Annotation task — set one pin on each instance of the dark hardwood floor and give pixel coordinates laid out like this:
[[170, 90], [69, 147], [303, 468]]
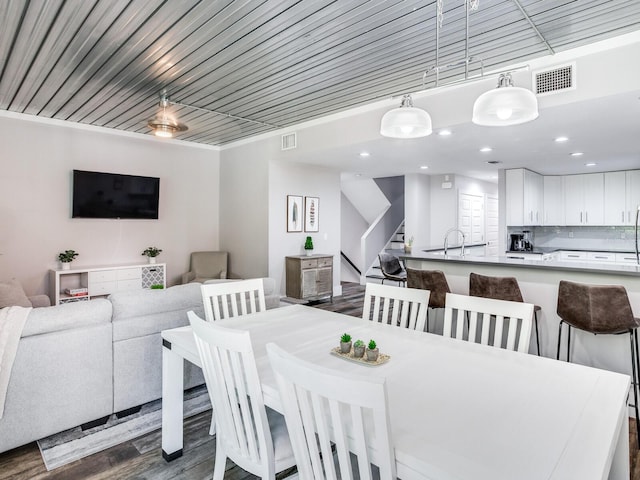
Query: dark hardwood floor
[[141, 459]]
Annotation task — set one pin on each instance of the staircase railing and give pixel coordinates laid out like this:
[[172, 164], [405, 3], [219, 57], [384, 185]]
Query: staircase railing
[[379, 233], [348, 260]]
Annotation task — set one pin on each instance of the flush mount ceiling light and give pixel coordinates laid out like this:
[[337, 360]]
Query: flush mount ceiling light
[[406, 121], [164, 125], [505, 105]]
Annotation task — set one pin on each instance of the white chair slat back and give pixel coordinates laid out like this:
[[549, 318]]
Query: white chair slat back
[[324, 407], [232, 299], [501, 323], [404, 307]]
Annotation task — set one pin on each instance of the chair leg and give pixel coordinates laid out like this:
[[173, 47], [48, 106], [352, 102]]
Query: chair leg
[[568, 342], [559, 340], [535, 320], [635, 370]]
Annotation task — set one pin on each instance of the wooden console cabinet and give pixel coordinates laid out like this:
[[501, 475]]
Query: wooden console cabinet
[[309, 277], [100, 281]]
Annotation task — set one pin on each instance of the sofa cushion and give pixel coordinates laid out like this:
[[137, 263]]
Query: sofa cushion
[[67, 316], [12, 295]]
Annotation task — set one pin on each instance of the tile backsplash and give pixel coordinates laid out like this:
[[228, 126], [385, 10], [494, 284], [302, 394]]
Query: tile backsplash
[[583, 238]]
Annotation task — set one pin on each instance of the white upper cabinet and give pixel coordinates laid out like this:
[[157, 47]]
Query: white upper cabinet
[[615, 198], [553, 200], [621, 197], [524, 194], [633, 195], [584, 199]]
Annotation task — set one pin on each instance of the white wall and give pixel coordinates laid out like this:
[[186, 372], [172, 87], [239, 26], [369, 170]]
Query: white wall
[[35, 200], [417, 208], [286, 178], [352, 227], [244, 208]]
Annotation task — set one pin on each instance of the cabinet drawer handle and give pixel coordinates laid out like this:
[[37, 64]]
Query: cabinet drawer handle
[[580, 217], [600, 257], [574, 256], [623, 216]]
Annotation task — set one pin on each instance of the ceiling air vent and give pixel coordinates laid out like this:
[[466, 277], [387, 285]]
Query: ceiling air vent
[[289, 141], [555, 80]]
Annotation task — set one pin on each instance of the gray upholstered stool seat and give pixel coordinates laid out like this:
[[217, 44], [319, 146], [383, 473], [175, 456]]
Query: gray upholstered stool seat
[[501, 288], [601, 310], [391, 268]]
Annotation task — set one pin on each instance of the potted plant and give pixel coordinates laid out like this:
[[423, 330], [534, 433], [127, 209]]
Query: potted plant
[[66, 258], [345, 343], [308, 246], [372, 351], [151, 253], [407, 245], [358, 349]]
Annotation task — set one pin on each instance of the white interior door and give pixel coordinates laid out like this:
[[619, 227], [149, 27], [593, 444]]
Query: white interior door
[[471, 217], [491, 225]]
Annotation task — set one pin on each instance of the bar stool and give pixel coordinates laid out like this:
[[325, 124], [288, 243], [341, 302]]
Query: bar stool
[[601, 310], [432, 280], [501, 288], [392, 268]]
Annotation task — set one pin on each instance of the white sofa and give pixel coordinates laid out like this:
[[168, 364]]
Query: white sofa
[[82, 361]]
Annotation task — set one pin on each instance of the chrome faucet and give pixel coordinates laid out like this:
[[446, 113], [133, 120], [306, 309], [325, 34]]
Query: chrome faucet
[[446, 240]]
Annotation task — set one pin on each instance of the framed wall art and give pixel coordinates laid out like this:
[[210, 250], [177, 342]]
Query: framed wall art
[[294, 213], [311, 214]]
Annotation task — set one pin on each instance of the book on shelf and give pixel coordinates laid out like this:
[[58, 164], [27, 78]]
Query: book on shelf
[[77, 292]]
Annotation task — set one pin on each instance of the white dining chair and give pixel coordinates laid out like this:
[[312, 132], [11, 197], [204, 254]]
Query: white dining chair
[[404, 307], [231, 299], [327, 408], [253, 437], [499, 323]]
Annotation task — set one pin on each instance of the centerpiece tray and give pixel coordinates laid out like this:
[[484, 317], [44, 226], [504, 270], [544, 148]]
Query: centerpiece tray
[[382, 357]]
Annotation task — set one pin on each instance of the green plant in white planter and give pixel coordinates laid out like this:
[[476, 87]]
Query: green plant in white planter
[[66, 258], [345, 343], [372, 351], [358, 349], [408, 245], [151, 253]]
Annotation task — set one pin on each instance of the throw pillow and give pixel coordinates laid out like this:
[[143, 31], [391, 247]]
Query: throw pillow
[[12, 294]]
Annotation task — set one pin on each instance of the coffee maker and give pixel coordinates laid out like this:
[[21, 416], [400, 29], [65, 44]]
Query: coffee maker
[[520, 242]]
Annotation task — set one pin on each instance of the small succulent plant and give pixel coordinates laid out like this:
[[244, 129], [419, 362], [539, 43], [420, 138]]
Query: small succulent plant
[[151, 251], [358, 343], [372, 345], [345, 338]]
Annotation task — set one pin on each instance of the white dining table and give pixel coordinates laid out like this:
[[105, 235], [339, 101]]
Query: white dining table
[[457, 410]]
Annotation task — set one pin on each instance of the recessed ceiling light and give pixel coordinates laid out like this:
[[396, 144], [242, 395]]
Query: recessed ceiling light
[[590, 164], [486, 149], [561, 139], [424, 167], [358, 174], [364, 154], [493, 162], [444, 133], [577, 154]]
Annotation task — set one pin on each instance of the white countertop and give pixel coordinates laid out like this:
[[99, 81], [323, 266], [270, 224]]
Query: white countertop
[[619, 269]]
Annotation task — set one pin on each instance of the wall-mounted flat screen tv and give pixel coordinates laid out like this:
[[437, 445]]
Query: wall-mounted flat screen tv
[[111, 195]]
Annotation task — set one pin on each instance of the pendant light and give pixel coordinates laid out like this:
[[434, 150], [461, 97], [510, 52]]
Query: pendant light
[[505, 105], [163, 125], [406, 121]]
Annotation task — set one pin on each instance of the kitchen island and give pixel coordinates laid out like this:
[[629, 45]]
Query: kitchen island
[[539, 281]]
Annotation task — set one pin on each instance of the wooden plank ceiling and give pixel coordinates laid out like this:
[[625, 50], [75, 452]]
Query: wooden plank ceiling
[[105, 62]]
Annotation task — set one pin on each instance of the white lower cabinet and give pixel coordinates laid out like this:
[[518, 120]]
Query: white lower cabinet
[[82, 284]]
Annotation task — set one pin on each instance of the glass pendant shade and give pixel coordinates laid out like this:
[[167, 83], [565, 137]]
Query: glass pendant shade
[[505, 105], [406, 121]]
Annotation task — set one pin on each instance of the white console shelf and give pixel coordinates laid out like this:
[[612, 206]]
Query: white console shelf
[[104, 280]]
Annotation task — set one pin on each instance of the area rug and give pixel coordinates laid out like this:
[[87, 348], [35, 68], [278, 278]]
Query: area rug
[[74, 444]]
